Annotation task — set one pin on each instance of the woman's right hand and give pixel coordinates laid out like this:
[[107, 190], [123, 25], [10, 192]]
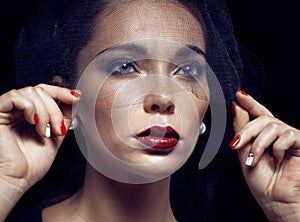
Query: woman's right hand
[[27, 151]]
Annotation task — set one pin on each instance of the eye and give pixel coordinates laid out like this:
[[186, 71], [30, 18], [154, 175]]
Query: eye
[[190, 70], [121, 67]]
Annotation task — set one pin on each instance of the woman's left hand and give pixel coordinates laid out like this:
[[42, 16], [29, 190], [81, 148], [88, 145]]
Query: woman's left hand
[[269, 152]]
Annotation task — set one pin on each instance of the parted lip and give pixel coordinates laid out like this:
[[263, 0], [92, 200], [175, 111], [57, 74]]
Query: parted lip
[[162, 132], [156, 138]]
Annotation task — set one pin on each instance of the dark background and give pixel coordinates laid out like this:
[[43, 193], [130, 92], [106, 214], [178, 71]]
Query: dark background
[[267, 28]]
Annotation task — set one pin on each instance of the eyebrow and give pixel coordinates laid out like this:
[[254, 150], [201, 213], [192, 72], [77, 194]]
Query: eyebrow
[[183, 52], [131, 47], [196, 49]]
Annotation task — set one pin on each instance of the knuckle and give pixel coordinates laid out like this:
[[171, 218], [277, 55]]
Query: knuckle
[[274, 125], [289, 133], [265, 118], [40, 87], [13, 93], [28, 105], [277, 148], [276, 119], [28, 89]]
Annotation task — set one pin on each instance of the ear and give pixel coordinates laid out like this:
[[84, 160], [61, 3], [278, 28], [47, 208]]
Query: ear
[[57, 81]]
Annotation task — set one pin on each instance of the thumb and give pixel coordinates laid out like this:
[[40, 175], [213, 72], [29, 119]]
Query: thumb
[[67, 116], [67, 112], [241, 117], [240, 120]]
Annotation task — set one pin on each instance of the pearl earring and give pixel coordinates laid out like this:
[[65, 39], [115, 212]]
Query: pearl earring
[[74, 124], [202, 128]]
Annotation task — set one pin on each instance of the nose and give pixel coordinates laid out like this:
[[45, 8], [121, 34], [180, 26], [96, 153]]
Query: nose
[[158, 104]]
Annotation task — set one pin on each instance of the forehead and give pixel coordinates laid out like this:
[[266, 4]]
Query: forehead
[[148, 19]]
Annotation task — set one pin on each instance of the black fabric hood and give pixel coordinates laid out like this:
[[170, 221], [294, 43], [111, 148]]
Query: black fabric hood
[[50, 43]]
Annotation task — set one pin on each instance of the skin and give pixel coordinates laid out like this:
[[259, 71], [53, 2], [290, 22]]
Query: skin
[[274, 179], [149, 201], [26, 158]]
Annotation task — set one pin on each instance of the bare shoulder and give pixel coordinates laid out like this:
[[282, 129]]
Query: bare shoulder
[[60, 212]]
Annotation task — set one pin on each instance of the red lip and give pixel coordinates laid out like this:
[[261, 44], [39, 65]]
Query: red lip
[[159, 138]]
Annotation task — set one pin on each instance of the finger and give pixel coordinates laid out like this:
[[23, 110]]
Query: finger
[[66, 96], [288, 141], [61, 94], [67, 111], [243, 154], [263, 141], [252, 129], [254, 108], [41, 115], [16, 101], [241, 117], [240, 120], [56, 122]]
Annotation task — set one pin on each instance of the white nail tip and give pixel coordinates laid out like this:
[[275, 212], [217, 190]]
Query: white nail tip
[[48, 130], [249, 160]]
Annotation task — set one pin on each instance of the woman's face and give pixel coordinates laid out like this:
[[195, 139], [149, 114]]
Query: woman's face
[[143, 77]]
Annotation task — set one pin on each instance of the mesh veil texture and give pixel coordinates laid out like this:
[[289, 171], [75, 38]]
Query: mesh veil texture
[[49, 45]]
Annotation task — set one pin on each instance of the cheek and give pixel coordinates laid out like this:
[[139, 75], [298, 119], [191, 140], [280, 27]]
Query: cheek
[[198, 92], [198, 88], [109, 96], [104, 116], [201, 104], [103, 108], [111, 109]]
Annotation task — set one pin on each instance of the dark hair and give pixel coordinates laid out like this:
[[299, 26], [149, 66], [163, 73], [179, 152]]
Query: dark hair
[[49, 46]]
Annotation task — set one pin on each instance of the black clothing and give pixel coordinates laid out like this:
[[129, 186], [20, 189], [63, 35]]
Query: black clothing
[[216, 193]]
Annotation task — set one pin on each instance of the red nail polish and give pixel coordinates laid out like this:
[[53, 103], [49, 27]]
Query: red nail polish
[[235, 142], [75, 94], [243, 92], [233, 109], [36, 118], [63, 129]]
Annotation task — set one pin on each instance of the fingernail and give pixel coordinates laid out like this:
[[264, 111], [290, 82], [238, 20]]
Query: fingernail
[[249, 159], [63, 129], [235, 142], [233, 109], [48, 130], [76, 94], [243, 92], [36, 118]]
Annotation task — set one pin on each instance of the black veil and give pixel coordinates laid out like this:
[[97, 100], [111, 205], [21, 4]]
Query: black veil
[[49, 45]]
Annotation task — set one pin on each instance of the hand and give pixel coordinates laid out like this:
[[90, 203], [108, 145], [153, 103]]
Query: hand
[[269, 152], [27, 149]]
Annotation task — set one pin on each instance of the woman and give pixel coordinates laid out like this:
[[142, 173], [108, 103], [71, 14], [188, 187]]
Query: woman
[[143, 88]]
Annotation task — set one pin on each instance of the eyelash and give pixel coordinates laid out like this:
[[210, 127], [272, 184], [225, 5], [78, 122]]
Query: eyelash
[[198, 68], [114, 68]]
